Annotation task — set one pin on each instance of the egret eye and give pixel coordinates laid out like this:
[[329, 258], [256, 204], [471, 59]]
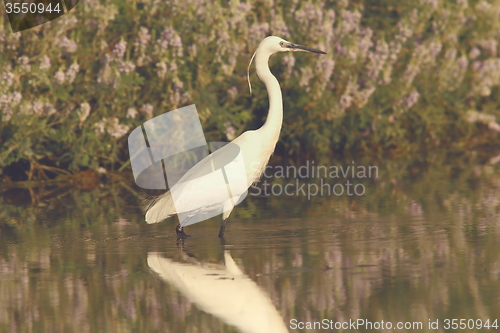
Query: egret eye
[[282, 43]]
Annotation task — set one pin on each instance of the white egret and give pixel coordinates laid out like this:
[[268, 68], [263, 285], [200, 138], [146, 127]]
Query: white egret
[[256, 148]]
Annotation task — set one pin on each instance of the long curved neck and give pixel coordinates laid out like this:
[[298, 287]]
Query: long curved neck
[[272, 126]]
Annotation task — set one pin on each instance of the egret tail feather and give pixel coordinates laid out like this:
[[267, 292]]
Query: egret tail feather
[[159, 208]]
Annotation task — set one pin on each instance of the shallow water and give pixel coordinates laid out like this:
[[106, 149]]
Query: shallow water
[[417, 247]]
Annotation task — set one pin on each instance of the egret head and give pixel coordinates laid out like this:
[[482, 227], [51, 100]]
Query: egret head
[[273, 44]]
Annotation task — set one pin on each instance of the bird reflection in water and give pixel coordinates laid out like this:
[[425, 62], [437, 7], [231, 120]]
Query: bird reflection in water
[[223, 291]]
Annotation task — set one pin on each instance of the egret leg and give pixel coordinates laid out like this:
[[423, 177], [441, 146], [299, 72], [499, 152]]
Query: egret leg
[[180, 231], [222, 228], [180, 243]]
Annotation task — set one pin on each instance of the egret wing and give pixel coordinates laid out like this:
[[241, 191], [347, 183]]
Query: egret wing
[[204, 186]]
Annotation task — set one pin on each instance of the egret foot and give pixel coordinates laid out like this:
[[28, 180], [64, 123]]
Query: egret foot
[[222, 228], [180, 231]]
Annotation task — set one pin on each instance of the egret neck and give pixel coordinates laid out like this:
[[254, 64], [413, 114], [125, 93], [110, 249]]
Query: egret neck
[[272, 127]]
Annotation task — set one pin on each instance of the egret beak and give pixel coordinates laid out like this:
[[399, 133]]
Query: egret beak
[[296, 47]]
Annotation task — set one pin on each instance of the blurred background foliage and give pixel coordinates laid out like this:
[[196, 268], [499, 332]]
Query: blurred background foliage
[[400, 78]]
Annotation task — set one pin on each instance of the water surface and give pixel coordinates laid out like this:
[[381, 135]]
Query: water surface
[[418, 246]]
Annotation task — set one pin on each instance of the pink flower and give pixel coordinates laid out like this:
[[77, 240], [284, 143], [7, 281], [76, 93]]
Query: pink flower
[[24, 63], [67, 44], [7, 78], [126, 66], [115, 129], [71, 72], [119, 50], [60, 77], [169, 38], [143, 38], [44, 63], [131, 113]]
